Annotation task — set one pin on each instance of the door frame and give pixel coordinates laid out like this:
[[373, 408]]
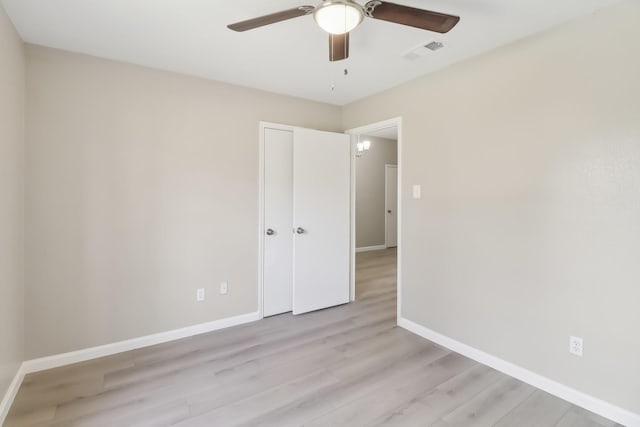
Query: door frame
[[261, 207], [387, 167], [354, 132]]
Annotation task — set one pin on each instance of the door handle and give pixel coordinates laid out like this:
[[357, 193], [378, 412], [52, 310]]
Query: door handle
[[389, 211], [300, 230], [270, 232]]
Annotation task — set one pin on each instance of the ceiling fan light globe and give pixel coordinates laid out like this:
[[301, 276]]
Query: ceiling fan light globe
[[338, 16]]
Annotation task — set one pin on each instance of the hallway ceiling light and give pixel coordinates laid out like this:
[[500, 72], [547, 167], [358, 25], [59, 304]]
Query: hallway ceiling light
[[362, 147]]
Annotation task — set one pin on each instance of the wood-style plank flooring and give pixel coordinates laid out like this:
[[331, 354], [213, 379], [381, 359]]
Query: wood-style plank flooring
[[344, 366]]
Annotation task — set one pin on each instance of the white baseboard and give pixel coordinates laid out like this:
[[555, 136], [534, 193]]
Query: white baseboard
[[63, 359], [562, 391], [371, 248], [7, 400]]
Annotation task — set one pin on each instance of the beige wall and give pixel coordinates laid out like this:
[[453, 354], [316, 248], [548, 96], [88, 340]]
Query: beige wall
[[142, 187], [11, 201], [370, 191], [528, 230]]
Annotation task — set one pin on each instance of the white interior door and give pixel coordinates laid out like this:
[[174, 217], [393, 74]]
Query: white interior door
[[278, 222], [391, 205], [321, 177]]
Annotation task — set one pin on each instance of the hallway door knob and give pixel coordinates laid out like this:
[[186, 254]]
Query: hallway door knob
[[270, 232], [300, 230]]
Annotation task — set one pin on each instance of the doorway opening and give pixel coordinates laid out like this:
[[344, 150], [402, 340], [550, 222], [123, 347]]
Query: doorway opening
[[375, 210]]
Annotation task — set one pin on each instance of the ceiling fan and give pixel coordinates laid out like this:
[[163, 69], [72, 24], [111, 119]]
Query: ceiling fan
[[339, 17]]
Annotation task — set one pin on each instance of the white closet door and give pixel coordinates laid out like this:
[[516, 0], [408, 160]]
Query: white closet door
[[278, 222], [321, 185]]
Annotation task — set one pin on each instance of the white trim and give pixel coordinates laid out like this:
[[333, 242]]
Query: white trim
[[10, 395], [371, 248], [261, 231], [394, 122], [352, 224], [562, 391], [63, 359], [387, 167], [399, 236]]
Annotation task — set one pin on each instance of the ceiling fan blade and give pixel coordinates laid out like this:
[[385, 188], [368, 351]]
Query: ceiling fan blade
[[260, 21], [338, 46], [406, 15]]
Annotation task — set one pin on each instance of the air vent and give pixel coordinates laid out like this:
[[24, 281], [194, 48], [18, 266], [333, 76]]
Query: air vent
[[433, 46], [423, 50]]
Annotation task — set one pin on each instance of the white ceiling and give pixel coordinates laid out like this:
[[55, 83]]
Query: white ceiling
[[291, 57]]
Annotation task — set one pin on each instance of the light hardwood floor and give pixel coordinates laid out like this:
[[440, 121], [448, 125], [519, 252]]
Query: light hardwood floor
[[344, 366]]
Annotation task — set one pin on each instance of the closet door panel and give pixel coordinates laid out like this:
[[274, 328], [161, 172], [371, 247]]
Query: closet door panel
[[278, 222], [321, 214]]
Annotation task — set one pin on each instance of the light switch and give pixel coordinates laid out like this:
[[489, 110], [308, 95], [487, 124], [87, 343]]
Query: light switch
[[417, 191]]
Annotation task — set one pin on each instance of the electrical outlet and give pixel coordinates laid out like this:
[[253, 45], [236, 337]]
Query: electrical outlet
[[224, 288], [575, 346], [200, 294]]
